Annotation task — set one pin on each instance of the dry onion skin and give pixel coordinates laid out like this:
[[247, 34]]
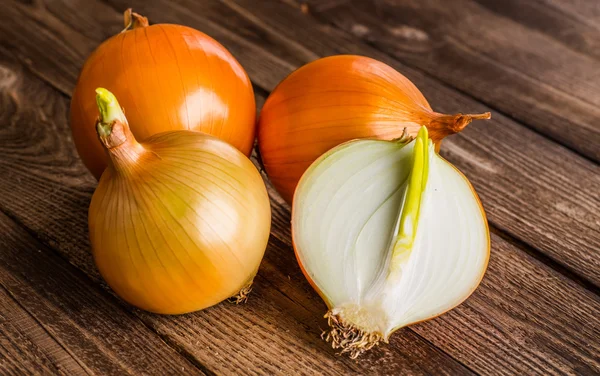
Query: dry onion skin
[[186, 79], [178, 222], [337, 99], [389, 234]]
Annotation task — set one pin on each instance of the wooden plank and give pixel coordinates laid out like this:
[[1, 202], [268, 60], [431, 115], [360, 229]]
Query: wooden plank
[[26, 347], [71, 30], [522, 72], [584, 11], [61, 23], [65, 324], [287, 303], [573, 24], [48, 189], [531, 187]]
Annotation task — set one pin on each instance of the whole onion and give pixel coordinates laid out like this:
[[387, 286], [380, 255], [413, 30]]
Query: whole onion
[[181, 76], [336, 99], [178, 222]]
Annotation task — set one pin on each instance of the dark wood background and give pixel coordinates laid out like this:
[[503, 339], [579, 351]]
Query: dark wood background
[[535, 64]]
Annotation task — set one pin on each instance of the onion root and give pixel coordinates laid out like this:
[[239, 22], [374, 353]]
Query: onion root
[[348, 337], [242, 296]]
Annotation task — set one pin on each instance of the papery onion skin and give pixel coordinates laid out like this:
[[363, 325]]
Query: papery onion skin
[[178, 222], [186, 79], [336, 99]]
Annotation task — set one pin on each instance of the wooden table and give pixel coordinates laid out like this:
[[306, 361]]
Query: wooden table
[[535, 64]]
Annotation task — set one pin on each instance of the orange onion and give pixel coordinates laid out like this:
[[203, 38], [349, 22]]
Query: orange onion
[[186, 79], [178, 222], [337, 99]]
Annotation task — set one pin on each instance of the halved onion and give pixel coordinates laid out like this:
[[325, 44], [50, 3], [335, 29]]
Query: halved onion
[[390, 234]]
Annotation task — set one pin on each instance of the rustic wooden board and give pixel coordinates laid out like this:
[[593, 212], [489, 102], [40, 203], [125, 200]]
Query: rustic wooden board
[[574, 24], [525, 73], [26, 347], [525, 318], [487, 332]]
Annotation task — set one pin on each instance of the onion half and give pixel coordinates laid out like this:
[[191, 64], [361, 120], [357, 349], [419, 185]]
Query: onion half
[[390, 234]]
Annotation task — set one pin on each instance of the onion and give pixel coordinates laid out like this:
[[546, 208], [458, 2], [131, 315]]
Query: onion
[[337, 99], [181, 76], [178, 222], [389, 234]]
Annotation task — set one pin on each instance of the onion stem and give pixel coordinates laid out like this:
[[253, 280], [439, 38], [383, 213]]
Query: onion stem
[[110, 111], [133, 20], [114, 133], [409, 218], [445, 125]]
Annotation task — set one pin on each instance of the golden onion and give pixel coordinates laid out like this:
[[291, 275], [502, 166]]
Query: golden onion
[[178, 222]]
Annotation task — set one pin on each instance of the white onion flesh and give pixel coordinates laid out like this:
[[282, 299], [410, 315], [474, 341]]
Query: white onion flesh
[[345, 220]]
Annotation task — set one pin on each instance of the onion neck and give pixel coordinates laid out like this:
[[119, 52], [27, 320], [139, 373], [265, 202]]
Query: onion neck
[[113, 131], [445, 125]]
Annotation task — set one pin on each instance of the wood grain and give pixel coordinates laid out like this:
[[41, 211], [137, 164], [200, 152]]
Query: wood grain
[[48, 190], [26, 347], [573, 24], [584, 11], [508, 65], [501, 329], [67, 324]]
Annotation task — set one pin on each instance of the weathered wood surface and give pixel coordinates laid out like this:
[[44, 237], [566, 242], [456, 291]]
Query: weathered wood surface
[[527, 317], [25, 346]]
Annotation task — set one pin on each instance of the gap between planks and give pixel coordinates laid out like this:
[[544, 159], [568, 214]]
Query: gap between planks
[[31, 317], [545, 259]]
